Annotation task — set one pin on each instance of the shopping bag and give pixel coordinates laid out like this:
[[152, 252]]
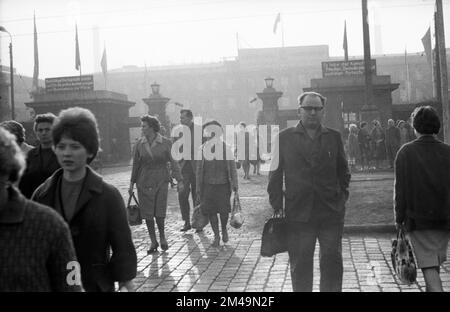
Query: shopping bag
[[237, 219], [199, 219], [133, 212], [403, 258], [274, 237]]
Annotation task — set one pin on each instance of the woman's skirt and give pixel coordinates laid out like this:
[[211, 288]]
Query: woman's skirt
[[430, 247], [153, 200], [216, 198]]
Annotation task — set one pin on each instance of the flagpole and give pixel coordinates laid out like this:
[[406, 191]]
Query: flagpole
[[106, 74], [408, 89], [282, 32], [237, 42], [433, 81]]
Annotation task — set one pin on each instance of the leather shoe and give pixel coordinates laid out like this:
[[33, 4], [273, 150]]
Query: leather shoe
[[216, 242], [153, 248], [225, 236], [164, 245], [186, 227]]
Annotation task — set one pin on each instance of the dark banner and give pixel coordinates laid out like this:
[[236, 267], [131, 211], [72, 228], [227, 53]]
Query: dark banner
[[73, 83], [343, 68]]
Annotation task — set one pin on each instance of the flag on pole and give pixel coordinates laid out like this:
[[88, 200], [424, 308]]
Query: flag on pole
[[426, 41], [345, 45], [275, 25], [36, 58], [77, 50], [104, 63]]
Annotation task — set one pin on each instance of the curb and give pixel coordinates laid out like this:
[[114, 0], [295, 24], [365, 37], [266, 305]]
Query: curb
[[369, 228]]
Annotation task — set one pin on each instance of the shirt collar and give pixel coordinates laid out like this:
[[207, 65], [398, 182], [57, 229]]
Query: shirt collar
[[158, 138], [301, 128]]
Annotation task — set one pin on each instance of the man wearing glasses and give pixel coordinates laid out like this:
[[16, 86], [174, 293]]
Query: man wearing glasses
[[312, 162]]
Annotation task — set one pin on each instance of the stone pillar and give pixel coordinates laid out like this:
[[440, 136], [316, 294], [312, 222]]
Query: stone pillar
[[157, 107], [269, 115], [270, 97]]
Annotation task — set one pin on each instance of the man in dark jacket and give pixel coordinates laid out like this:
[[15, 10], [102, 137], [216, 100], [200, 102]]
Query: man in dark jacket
[[392, 141], [312, 161], [41, 160], [187, 167]]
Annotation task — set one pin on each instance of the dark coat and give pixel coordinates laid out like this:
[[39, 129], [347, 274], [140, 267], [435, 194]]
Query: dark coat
[[422, 184], [100, 223], [36, 172], [311, 184], [393, 137], [35, 247]]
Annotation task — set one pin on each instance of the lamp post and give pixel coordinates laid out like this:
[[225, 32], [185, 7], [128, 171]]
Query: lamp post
[[3, 29]]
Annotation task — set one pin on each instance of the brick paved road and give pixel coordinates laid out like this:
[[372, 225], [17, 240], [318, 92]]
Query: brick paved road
[[191, 264]]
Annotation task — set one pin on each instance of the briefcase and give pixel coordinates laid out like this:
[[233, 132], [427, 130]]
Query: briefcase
[[133, 212], [274, 237]]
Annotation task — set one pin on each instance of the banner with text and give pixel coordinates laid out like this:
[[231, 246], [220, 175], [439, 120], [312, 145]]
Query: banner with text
[[73, 83], [346, 68]]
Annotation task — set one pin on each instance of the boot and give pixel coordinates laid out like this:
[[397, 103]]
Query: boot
[[151, 231], [215, 227], [162, 235], [223, 223]]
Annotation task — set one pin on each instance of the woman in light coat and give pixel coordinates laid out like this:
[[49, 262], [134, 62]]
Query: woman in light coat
[[150, 173]]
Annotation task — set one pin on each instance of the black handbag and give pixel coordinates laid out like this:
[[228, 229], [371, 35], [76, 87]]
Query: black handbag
[[133, 212], [275, 236], [402, 258]]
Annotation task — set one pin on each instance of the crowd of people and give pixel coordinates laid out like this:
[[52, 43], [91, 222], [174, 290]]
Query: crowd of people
[[369, 148], [63, 228]]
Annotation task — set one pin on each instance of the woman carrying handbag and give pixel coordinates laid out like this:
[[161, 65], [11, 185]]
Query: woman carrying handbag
[[422, 195], [216, 180]]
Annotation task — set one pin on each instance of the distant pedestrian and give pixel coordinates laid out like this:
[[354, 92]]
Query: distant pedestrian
[[393, 138], [364, 145], [255, 159], [41, 160], [36, 250], [312, 163], [411, 136], [354, 153], [94, 209], [216, 180], [422, 195], [377, 137], [187, 168], [403, 132], [150, 173], [18, 131], [243, 152]]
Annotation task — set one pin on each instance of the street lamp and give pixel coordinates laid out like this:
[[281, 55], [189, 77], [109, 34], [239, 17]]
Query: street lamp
[[155, 88], [3, 29], [269, 82]]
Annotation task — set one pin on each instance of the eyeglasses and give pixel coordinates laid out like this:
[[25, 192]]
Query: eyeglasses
[[311, 108]]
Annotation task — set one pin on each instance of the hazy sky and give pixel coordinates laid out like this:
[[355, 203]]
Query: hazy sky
[[164, 32]]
